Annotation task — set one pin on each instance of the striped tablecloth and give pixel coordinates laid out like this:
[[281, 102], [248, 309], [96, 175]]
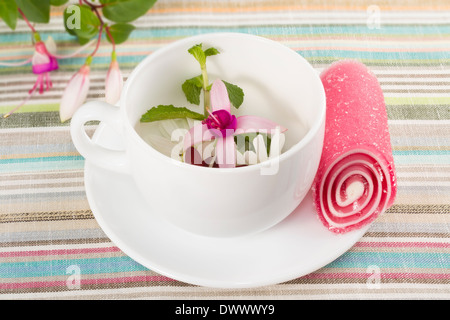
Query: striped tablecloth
[[46, 224]]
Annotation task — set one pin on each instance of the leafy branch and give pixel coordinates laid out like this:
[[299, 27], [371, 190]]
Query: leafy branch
[[88, 21], [192, 89]]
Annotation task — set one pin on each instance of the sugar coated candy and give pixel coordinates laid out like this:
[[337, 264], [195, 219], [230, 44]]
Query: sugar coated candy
[[356, 178]]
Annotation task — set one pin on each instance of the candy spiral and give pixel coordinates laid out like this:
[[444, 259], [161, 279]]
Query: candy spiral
[[356, 179]]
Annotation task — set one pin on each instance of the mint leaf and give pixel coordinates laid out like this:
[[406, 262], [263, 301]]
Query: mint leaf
[[164, 112], [120, 32], [123, 11], [235, 93], [35, 10], [192, 89], [211, 52], [198, 54], [9, 13]]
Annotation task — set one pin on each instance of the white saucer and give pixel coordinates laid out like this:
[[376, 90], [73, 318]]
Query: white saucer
[[298, 245]]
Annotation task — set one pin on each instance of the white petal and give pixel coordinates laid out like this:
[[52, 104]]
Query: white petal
[[39, 58], [260, 147], [50, 45], [74, 95], [250, 157], [163, 145], [240, 158], [276, 144], [113, 85]]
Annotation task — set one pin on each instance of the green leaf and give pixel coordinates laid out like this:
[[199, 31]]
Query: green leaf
[[83, 41], [35, 10], [9, 13], [211, 52], [82, 22], [124, 11], [235, 93], [198, 54], [192, 89], [58, 2], [120, 32], [164, 112]]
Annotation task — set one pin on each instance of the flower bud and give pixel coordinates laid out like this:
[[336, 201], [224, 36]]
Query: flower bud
[[114, 82], [75, 93]]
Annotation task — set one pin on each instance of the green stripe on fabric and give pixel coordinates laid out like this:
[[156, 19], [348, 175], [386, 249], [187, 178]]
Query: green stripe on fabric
[[32, 120], [417, 101], [32, 108], [418, 112]]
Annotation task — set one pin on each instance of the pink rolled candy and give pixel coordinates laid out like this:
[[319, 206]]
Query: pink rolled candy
[[356, 178]]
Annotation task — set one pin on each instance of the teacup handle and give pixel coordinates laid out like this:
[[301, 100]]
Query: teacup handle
[[114, 160]]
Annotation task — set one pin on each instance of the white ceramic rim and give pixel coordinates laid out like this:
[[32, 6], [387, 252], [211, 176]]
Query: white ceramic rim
[[312, 132]]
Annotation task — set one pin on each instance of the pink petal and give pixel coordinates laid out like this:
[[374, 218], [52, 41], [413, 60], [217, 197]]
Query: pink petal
[[75, 93], [113, 83], [219, 96], [197, 134], [249, 124], [226, 152], [42, 61]]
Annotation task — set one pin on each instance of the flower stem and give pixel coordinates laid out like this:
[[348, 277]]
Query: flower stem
[[26, 20], [100, 28], [110, 37], [92, 5], [207, 100]]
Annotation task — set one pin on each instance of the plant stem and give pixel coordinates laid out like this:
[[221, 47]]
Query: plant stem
[[98, 41], [93, 5], [108, 33], [26, 20], [207, 99], [94, 9]]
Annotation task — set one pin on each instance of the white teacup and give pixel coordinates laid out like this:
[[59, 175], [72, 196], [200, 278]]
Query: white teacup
[[278, 84]]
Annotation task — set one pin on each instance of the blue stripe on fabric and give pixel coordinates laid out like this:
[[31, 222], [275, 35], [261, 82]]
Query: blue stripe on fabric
[[59, 267], [126, 264], [308, 30], [392, 260], [41, 159]]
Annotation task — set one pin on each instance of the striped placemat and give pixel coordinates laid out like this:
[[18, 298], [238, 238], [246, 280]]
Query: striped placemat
[[47, 229]]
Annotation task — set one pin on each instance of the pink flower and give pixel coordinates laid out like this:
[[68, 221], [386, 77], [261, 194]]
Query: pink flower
[[114, 81], [223, 126], [43, 61], [42, 64], [75, 92]]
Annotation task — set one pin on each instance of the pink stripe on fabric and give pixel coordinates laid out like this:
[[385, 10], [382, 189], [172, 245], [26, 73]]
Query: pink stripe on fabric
[[359, 275], [57, 252], [47, 284], [403, 244]]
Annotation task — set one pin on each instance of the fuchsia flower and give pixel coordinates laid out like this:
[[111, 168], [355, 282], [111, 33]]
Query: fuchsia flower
[[222, 126], [75, 92], [43, 61]]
